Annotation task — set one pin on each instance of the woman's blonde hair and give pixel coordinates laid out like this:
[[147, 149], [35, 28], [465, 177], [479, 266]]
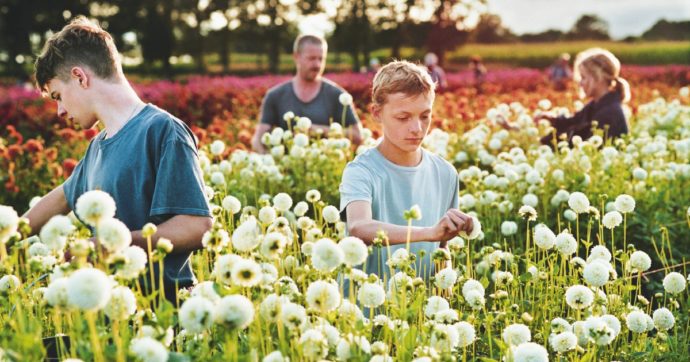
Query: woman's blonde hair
[[401, 76], [603, 65]]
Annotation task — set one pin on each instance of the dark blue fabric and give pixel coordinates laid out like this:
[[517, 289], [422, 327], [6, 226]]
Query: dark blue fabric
[[607, 111], [323, 109], [151, 169]]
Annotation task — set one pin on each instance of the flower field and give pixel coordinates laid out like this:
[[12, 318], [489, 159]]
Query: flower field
[[581, 254]]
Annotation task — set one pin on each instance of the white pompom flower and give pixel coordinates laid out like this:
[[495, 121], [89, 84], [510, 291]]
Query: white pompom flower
[[323, 296], [625, 204], [530, 352], [89, 289], [55, 232], [612, 219], [354, 250], [282, 202], [640, 261], [326, 255], [578, 202], [637, 321], [9, 222], [122, 304], [579, 297], [516, 334], [196, 314], [94, 206], [148, 349], [330, 214], [235, 312], [663, 319], [245, 238], [114, 235], [544, 238], [674, 283], [371, 295]]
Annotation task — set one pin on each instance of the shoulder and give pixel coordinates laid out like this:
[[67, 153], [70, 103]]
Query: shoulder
[[331, 86], [439, 163], [279, 89], [364, 164], [163, 127]]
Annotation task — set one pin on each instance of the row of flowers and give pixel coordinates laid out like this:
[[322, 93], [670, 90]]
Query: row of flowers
[[561, 265]]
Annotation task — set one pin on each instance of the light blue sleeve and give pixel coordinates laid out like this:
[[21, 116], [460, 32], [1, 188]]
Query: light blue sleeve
[[356, 185], [455, 199]]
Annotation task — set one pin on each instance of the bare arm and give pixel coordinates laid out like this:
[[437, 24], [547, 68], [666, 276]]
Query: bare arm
[[354, 133], [361, 225], [257, 146], [184, 231], [54, 203]]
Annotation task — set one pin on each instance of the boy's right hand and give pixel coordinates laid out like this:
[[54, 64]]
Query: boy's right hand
[[450, 225]]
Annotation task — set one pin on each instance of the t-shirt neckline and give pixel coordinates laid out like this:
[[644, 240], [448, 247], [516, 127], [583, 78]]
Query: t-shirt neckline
[[389, 163], [129, 125]]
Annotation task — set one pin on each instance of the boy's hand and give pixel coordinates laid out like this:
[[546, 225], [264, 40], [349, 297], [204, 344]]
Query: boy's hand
[[450, 225]]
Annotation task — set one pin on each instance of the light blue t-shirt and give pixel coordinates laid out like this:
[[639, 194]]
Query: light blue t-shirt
[[391, 189]]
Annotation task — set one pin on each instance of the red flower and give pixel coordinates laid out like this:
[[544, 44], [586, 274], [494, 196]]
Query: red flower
[[33, 146], [14, 150], [90, 133], [68, 166]]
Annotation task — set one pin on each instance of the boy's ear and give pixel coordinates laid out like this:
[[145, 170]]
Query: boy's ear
[[375, 110], [80, 75]]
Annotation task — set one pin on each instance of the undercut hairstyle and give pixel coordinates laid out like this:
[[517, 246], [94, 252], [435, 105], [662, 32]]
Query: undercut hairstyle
[[83, 43], [401, 76]]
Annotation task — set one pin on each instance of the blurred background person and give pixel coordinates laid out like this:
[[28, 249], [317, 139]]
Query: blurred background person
[[478, 72], [559, 72], [436, 72], [597, 71]]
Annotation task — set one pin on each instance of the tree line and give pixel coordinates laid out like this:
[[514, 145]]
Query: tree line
[[161, 29]]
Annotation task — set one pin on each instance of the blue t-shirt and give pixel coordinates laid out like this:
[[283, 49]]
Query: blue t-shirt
[[151, 169], [391, 189]]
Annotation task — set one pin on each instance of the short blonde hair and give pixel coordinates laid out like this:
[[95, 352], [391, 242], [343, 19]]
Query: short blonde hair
[[602, 65], [401, 76], [308, 39]]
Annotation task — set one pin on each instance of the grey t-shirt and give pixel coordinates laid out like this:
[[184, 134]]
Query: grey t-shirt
[[321, 110], [151, 169], [391, 189]]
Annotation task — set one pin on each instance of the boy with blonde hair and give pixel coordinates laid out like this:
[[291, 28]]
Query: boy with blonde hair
[[384, 181]]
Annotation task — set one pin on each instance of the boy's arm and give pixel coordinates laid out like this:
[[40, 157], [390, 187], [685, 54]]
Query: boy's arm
[[184, 231], [54, 203], [257, 146], [360, 224]]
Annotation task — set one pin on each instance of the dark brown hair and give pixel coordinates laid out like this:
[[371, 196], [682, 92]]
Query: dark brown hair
[[80, 43]]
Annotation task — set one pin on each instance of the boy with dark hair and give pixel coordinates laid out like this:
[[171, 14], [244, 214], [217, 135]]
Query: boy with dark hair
[[144, 157]]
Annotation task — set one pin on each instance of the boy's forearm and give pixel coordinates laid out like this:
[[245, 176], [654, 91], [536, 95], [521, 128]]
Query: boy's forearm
[[184, 231], [53, 203], [397, 234]]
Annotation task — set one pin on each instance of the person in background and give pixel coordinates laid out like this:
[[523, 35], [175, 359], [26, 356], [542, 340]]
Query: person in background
[[598, 72], [478, 72], [307, 94], [559, 72], [435, 70]]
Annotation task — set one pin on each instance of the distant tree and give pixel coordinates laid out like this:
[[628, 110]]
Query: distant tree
[[589, 27], [451, 25], [550, 35], [668, 30], [353, 32], [490, 29]]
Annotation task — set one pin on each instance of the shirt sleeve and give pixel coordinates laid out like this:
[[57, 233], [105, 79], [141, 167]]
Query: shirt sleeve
[[269, 114], [355, 186], [179, 187], [455, 199]]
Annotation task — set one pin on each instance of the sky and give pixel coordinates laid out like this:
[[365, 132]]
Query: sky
[[625, 17]]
